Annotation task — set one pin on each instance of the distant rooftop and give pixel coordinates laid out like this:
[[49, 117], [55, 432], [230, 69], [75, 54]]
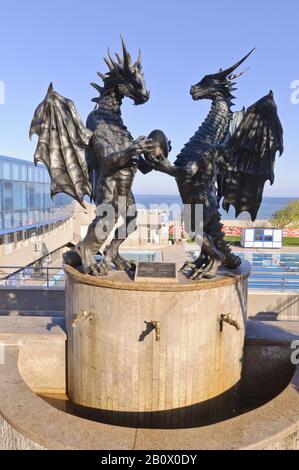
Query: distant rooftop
[[19, 160]]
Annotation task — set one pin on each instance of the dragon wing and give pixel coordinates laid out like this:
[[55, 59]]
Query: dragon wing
[[62, 146], [251, 152], [223, 165]]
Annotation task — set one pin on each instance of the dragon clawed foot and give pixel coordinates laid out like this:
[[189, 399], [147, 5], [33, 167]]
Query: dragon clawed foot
[[122, 264], [202, 268], [187, 267], [207, 272], [99, 269], [103, 268], [78, 257]]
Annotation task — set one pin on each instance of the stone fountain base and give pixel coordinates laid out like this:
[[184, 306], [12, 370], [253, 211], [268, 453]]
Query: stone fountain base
[[34, 353], [151, 354]]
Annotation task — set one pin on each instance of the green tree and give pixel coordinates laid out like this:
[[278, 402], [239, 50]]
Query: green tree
[[287, 217]]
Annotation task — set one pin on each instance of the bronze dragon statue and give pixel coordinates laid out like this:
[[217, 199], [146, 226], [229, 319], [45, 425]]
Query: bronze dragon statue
[[229, 158], [99, 160]]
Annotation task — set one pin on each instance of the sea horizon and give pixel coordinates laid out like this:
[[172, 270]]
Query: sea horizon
[[267, 209]]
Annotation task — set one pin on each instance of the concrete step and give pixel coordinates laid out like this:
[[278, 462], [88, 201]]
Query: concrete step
[[41, 343]]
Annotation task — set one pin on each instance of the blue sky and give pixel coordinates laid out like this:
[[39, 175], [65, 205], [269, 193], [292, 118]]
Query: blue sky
[[64, 42]]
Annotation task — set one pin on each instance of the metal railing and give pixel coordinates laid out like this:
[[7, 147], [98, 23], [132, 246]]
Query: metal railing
[[43, 276]]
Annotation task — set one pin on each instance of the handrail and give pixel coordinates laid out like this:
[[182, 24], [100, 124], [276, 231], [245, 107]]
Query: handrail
[[18, 271], [30, 267]]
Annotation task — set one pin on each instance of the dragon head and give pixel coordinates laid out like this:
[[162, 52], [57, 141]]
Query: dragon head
[[124, 77], [218, 85]]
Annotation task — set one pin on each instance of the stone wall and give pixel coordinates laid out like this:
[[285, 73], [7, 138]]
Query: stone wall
[[31, 301], [10, 439], [273, 305]]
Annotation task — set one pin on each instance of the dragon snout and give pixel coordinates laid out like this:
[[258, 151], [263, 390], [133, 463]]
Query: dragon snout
[[142, 97], [197, 92]]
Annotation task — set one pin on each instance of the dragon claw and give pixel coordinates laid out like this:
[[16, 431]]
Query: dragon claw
[[187, 266], [202, 268], [99, 269], [208, 272], [121, 264], [94, 271]]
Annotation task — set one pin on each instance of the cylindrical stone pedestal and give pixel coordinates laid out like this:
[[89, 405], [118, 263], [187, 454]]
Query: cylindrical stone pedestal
[[155, 354]]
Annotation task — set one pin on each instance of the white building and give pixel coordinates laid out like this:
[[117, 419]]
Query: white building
[[261, 238]]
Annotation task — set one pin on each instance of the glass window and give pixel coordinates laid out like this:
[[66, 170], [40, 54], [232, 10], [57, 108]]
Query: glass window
[[26, 219], [46, 214], [24, 173], [8, 219], [36, 217], [15, 172], [30, 173], [31, 196], [6, 171], [17, 219], [38, 196], [259, 235], [8, 195], [23, 203], [30, 217], [47, 198], [17, 196], [1, 200], [24, 196]]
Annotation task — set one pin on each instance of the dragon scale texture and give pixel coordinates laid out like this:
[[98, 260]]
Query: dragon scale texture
[[99, 160], [229, 158]]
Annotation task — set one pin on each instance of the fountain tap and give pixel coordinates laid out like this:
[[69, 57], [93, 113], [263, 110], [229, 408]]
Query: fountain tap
[[157, 327], [227, 318], [83, 315]]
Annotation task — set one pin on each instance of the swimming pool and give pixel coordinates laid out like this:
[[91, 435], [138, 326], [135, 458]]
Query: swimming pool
[[270, 271], [274, 271], [142, 255]]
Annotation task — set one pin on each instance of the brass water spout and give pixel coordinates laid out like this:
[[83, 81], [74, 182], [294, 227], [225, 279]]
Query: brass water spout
[[83, 315], [157, 327], [227, 318]]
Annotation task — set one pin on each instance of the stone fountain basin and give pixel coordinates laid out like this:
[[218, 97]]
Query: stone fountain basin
[[34, 353]]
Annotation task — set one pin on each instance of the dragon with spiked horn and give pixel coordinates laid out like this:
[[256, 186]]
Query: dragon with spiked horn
[[99, 160], [229, 158]]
